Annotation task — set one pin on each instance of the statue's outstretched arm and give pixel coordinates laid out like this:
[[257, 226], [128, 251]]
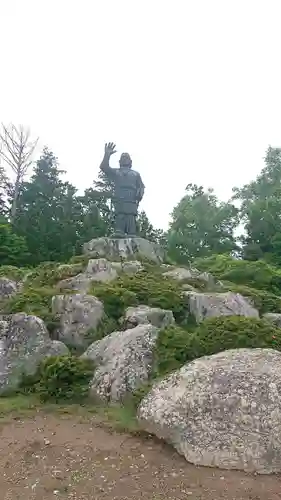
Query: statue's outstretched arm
[[109, 150]]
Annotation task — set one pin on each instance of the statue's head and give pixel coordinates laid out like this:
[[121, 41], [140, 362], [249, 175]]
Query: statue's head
[[125, 161]]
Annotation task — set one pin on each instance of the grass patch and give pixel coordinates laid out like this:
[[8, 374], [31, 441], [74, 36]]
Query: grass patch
[[120, 418], [18, 405]]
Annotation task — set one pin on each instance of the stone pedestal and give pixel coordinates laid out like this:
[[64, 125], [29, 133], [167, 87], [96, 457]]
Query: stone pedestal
[[124, 248]]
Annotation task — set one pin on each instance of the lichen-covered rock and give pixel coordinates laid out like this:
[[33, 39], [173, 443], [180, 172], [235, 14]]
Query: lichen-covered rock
[[24, 342], [97, 270], [124, 361], [79, 283], [101, 270], [124, 248], [8, 288], [148, 315], [274, 318], [221, 411], [206, 305], [128, 266], [182, 274], [77, 314], [188, 287]]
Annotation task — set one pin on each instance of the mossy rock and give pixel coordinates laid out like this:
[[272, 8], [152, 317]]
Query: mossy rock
[[33, 301], [80, 259], [262, 300], [50, 273], [13, 273]]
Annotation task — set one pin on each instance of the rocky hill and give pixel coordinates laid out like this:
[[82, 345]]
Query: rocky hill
[[194, 350]]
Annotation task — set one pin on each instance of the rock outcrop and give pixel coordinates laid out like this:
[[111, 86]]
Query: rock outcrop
[[124, 361], [274, 318], [24, 342], [192, 275], [100, 270], [128, 266], [124, 248], [221, 411], [147, 315], [8, 288], [97, 270], [77, 314], [207, 305]]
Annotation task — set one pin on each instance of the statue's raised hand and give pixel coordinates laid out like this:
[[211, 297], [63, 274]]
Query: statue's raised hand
[[109, 149]]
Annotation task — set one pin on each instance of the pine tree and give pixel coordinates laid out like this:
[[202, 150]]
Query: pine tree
[[48, 213]]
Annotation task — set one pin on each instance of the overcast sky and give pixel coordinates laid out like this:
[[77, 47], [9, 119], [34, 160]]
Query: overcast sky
[[190, 88]]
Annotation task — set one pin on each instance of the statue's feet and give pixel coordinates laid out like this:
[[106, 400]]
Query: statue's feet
[[118, 235]]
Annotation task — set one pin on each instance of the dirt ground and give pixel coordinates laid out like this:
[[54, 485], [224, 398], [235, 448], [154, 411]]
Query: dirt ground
[[48, 457]]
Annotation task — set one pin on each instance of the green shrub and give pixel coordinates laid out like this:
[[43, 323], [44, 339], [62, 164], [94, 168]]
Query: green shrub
[[136, 397], [35, 301], [232, 332], [171, 350], [80, 259], [50, 273], [64, 378], [257, 274], [146, 287], [105, 327], [115, 298], [176, 346], [13, 273], [263, 301]]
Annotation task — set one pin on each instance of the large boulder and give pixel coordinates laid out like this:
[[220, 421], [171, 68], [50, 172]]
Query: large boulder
[[77, 314], [8, 288], [128, 266], [97, 270], [79, 283], [221, 411], [124, 248], [24, 342], [148, 315], [193, 276], [101, 270], [207, 305], [274, 318], [124, 361]]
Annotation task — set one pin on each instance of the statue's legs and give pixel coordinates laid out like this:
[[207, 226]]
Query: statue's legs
[[120, 225], [131, 228], [125, 225]]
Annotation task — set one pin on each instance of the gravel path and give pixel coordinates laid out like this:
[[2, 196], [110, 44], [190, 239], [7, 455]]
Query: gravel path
[[50, 457]]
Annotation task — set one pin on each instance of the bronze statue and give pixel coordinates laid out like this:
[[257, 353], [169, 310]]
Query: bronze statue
[[128, 191]]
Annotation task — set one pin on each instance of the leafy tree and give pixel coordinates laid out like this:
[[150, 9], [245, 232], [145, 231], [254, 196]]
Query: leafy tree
[[13, 249], [201, 225], [261, 211]]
